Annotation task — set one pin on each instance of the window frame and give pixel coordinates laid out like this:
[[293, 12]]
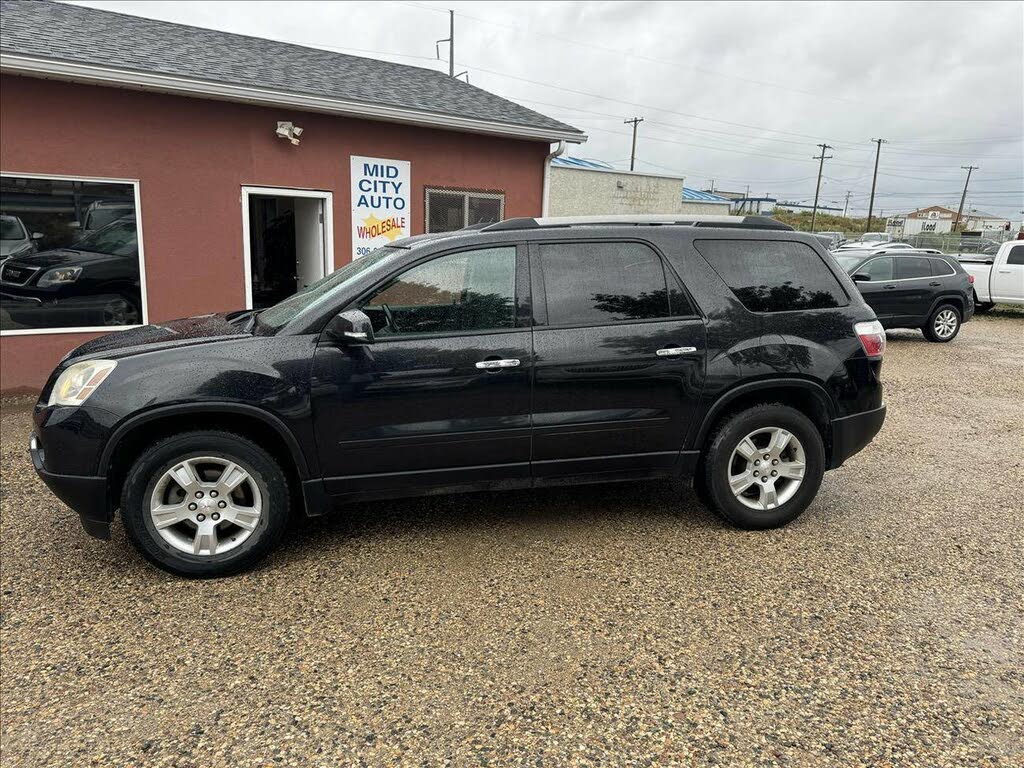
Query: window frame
[[143, 295], [521, 279], [540, 295], [498, 195]]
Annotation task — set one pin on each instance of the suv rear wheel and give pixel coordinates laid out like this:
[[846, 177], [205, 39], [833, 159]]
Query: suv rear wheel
[[764, 466], [943, 325], [205, 504]]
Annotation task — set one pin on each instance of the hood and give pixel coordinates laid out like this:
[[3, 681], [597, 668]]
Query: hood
[[7, 247], [64, 257], [175, 333]]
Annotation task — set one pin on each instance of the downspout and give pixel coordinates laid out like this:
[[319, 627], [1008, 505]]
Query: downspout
[[559, 151]]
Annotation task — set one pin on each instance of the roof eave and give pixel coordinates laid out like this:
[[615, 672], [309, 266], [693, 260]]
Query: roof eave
[[30, 66]]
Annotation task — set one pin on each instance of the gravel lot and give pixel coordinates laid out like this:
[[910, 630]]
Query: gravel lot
[[618, 625]]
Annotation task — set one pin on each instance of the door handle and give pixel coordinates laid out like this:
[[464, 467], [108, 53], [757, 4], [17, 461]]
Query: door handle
[[675, 351], [890, 287], [935, 284], [496, 365], [1005, 271]]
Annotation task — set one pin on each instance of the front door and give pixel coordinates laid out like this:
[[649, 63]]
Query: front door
[[442, 396], [880, 291], [619, 356], [1007, 282]]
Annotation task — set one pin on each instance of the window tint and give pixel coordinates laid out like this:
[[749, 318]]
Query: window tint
[[1016, 255], [912, 266], [468, 291], [590, 283], [774, 276], [941, 268], [878, 269]]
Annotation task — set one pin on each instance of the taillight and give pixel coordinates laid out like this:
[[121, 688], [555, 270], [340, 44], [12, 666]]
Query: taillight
[[872, 338], [971, 278]]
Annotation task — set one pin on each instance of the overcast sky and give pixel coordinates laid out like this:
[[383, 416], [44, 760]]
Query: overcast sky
[[736, 92]]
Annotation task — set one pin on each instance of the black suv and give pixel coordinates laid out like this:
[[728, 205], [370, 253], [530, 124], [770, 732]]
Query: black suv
[[913, 289], [531, 352]]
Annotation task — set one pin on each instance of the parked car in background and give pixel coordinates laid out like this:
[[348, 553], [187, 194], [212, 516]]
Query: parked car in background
[[835, 238], [15, 239], [998, 278], [859, 247], [94, 283], [913, 289], [100, 214], [876, 237], [527, 353]]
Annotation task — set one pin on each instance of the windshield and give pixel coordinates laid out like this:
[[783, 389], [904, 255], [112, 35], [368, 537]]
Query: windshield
[[98, 218], [11, 229], [117, 239], [283, 312], [847, 261]]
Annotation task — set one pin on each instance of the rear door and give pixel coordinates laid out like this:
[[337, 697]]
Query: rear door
[[619, 359], [1007, 281], [912, 297]]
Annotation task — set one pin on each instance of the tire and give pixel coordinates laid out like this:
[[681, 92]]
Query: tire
[[754, 511], [981, 307], [227, 530], [943, 324]]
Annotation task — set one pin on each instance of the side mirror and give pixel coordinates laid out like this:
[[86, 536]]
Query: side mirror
[[350, 327], [862, 277], [38, 235]]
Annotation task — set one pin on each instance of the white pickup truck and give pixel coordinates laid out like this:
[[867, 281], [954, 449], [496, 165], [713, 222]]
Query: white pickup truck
[[998, 279]]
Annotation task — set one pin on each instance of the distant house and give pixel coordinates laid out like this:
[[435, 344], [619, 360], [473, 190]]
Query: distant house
[[978, 221], [582, 187]]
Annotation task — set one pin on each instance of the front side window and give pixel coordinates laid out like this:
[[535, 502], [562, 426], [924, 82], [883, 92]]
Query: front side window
[[461, 292], [449, 210], [878, 269], [774, 275], [909, 267], [598, 283], [82, 266]]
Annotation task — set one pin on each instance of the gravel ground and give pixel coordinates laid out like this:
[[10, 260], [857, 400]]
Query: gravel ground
[[618, 625]]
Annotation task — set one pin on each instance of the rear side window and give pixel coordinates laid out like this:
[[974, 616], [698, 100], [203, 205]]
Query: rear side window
[[941, 268], [1016, 255], [774, 276], [599, 283], [909, 267]]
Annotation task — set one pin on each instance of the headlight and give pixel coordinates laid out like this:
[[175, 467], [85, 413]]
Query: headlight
[[80, 380], [59, 276]]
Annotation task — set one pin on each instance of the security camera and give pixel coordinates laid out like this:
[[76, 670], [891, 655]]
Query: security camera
[[288, 130]]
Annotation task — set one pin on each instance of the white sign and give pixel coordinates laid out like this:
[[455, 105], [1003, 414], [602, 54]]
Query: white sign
[[380, 203]]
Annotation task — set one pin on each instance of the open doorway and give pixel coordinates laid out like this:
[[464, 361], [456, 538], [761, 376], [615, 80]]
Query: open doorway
[[288, 242]]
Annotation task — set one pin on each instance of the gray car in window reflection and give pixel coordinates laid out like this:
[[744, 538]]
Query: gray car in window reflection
[[15, 239], [93, 283]]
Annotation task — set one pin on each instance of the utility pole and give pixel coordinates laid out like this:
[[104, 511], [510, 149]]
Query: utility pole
[[960, 210], [821, 166], [632, 155], [451, 45], [846, 207], [874, 178]]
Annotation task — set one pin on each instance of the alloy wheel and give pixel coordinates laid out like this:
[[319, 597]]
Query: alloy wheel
[[945, 324], [767, 468], [206, 505]]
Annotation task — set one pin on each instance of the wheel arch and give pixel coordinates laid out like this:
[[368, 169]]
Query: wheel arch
[[948, 298], [808, 397], [263, 428]]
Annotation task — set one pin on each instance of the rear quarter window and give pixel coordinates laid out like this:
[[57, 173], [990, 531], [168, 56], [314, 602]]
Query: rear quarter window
[[773, 275]]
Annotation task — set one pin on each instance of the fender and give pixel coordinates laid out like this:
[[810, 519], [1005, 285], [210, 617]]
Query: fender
[[744, 389], [945, 299], [302, 467]]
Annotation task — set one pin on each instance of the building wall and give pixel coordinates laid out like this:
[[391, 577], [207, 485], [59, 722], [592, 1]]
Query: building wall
[[192, 156], [577, 192]]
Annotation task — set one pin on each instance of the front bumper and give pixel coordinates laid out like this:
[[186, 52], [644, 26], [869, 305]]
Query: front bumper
[[851, 433], [86, 495]]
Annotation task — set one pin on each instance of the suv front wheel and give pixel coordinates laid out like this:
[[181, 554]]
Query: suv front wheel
[[205, 504], [764, 466]]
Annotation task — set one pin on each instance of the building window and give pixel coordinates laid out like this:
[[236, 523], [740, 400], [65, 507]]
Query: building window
[[448, 210], [71, 255]]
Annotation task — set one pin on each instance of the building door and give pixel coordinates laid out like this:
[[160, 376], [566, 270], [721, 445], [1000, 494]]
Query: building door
[[288, 242]]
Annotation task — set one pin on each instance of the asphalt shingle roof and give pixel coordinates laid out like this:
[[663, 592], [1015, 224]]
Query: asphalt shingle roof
[[56, 31]]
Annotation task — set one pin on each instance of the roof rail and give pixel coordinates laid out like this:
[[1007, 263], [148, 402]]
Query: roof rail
[[732, 222]]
